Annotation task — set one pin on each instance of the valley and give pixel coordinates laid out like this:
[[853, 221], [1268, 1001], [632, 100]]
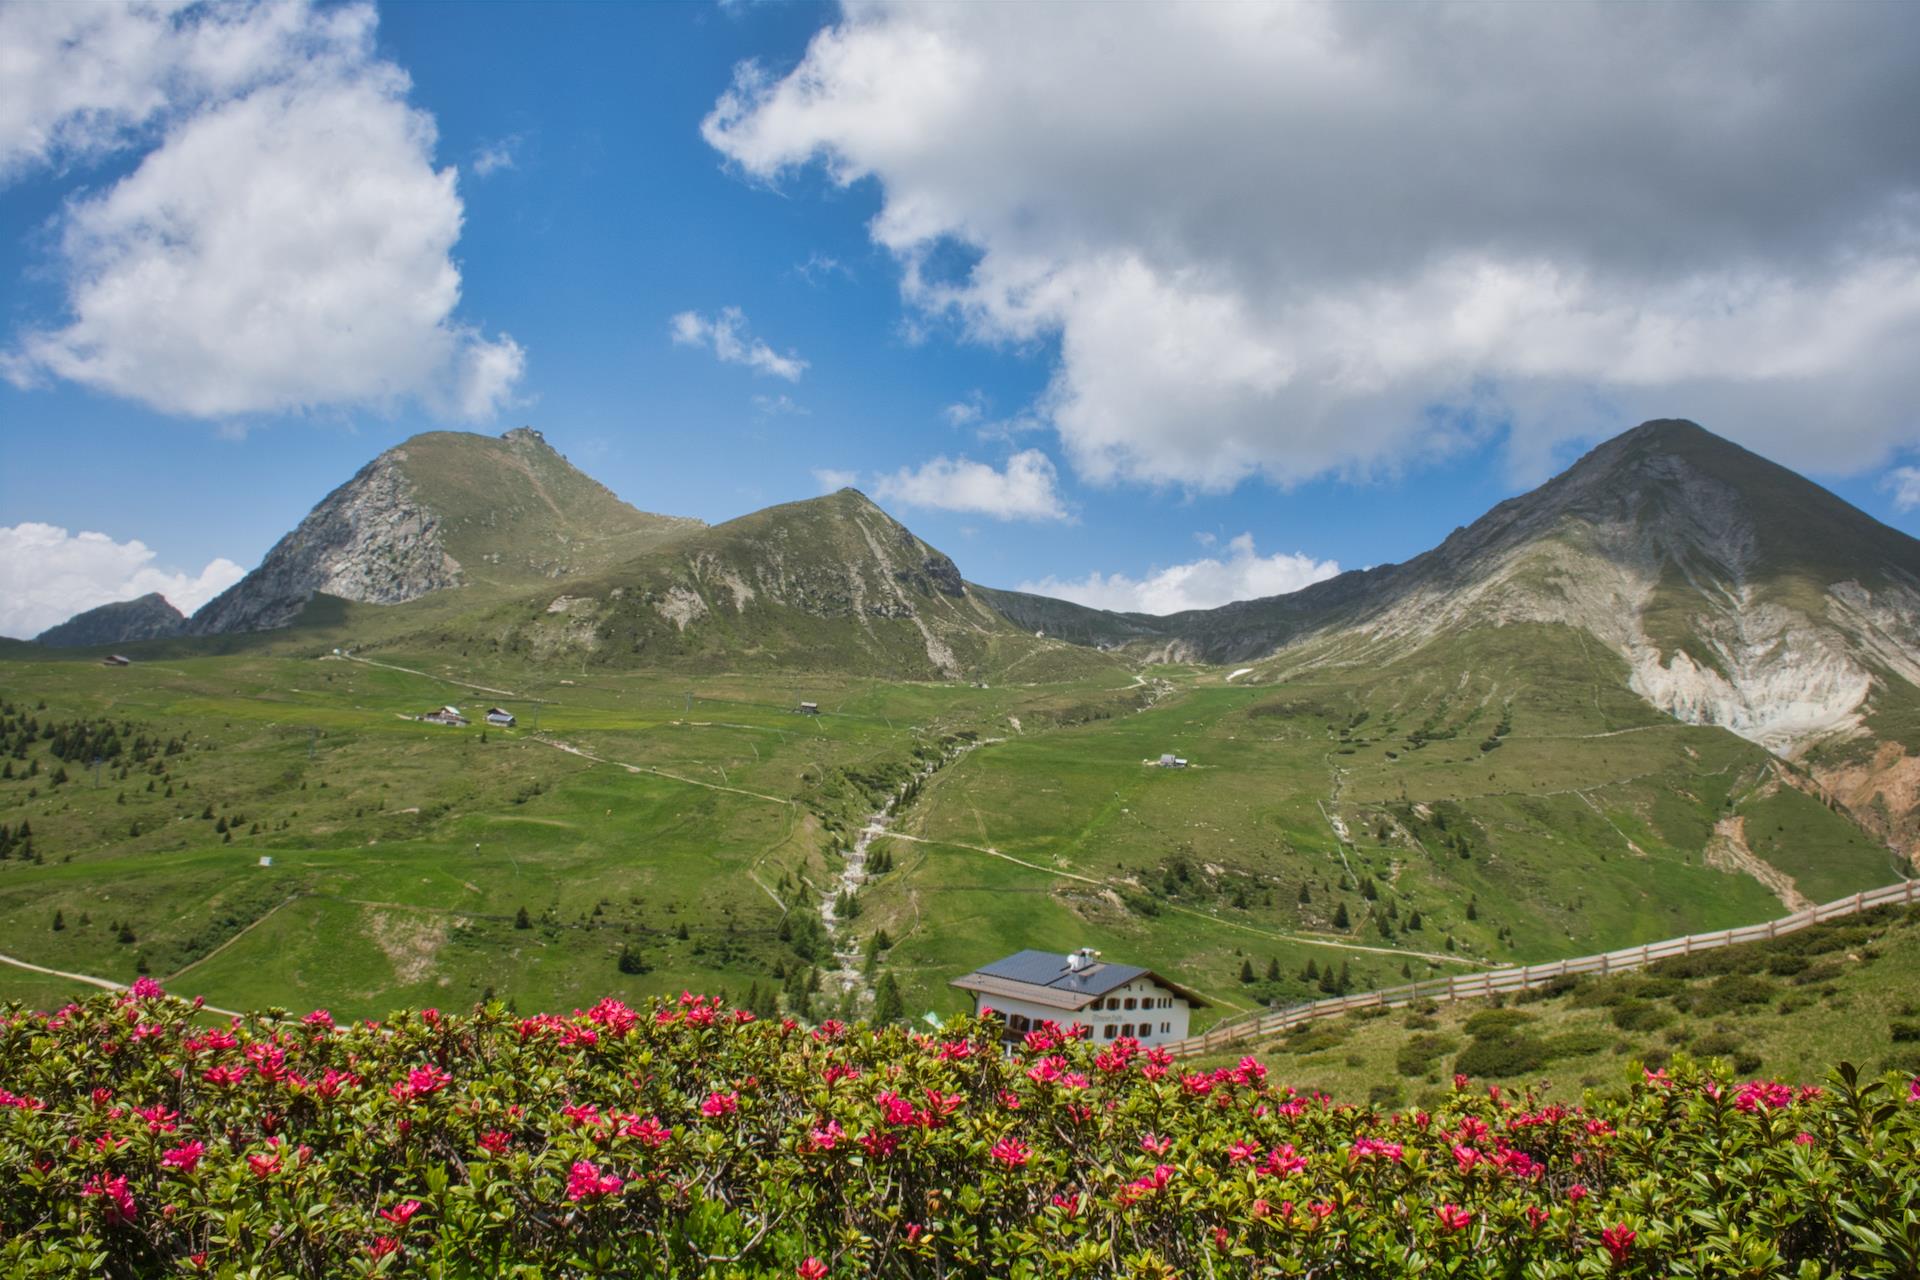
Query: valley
[[796, 758]]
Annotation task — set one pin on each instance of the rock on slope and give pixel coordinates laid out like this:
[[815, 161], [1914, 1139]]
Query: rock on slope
[[444, 509], [150, 617], [832, 583]]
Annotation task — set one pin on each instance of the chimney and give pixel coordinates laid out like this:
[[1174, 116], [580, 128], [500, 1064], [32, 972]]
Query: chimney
[[1081, 959]]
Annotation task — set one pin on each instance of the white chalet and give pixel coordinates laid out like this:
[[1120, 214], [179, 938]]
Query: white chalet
[[1031, 987]]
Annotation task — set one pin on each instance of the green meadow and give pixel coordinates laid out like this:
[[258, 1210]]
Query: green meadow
[[302, 841]]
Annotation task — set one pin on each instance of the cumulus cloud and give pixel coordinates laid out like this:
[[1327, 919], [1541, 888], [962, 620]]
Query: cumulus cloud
[[48, 574], [1287, 240], [726, 336], [1904, 483], [831, 479], [1026, 489], [1199, 584], [285, 244]]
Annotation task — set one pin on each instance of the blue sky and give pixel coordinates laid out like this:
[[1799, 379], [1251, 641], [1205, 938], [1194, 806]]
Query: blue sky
[[1065, 290]]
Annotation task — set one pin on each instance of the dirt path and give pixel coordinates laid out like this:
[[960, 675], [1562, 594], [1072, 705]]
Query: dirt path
[[244, 931], [105, 984], [584, 754], [428, 675], [1303, 939]]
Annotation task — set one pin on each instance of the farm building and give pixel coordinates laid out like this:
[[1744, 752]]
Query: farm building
[[1031, 987], [1171, 761], [500, 717], [809, 708], [116, 660], [444, 715]]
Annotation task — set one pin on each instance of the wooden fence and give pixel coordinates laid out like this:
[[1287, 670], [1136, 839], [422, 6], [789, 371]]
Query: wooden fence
[[1525, 977]]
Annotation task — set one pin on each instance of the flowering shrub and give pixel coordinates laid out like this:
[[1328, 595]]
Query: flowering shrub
[[686, 1138]]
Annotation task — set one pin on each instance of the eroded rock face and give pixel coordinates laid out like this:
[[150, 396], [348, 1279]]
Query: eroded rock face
[[370, 540]]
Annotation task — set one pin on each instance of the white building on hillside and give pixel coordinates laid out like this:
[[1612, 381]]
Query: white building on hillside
[[1031, 987]]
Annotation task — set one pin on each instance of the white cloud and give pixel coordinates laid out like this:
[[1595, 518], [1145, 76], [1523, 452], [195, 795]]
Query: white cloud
[[1025, 490], [48, 574], [1200, 584], [1905, 484], [725, 335], [1286, 240], [780, 406], [491, 157], [286, 245], [820, 266], [964, 413], [832, 480]]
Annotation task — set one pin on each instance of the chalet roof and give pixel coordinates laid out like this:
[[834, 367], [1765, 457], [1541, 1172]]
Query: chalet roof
[[1044, 977]]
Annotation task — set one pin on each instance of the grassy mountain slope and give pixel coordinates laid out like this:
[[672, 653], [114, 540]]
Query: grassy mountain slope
[[442, 510], [829, 584], [1788, 1008]]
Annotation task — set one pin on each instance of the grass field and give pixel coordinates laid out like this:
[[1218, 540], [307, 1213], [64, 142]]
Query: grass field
[[1792, 1008], [1483, 806]]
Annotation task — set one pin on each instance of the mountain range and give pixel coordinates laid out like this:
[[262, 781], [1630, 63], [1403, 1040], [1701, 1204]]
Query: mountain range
[[1733, 591]]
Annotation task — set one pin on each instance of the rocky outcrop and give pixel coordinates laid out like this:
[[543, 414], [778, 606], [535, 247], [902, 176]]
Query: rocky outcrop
[[150, 617], [371, 540]]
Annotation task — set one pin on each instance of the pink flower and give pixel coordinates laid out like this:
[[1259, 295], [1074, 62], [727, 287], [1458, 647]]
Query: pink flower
[[145, 989], [184, 1157], [1240, 1151], [319, 1018], [720, 1104], [1536, 1217], [1154, 1144], [827, 1138], [428, 1079], [495, 1141], [585, 1180], [811, 1269], [1618, 1241], [1913, 1089], [1465, 1158], [1011, 1152], [1453, 1217], [1576, 1193], [382, 1246], [650, 1132], [120, 1205], [402, 1212], [1804, 1139], [264, 1166]]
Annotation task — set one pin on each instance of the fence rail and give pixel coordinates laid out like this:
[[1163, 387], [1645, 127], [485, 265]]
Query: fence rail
[[1526, 977]]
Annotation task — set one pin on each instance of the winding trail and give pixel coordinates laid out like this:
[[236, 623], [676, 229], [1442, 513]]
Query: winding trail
[[428, 675], [249, 927], [584, 754], [105, 984]]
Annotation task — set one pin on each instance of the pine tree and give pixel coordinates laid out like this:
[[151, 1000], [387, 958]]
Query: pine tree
[[1273, 969], [887, 1004], [1246, 970], [521, 920], [1473, 908], [1340, 918], [1311, 973], [631, 961], [1305, 895], [1346, 979], [1413, 921], [59, 921]]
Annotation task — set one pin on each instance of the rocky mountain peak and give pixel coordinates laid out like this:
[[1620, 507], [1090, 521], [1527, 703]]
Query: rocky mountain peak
[[150, 617]]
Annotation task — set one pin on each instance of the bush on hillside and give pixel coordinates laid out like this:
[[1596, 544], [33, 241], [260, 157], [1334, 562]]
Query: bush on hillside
[[1501, 1057], [686, 1138]]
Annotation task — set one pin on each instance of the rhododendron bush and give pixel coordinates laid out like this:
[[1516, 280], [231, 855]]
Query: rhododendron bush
[[685, 1138]]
